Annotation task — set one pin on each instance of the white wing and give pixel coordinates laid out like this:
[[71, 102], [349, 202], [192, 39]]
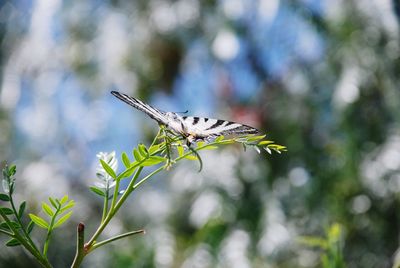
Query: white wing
[[207, 127], [198, 127], [154, 113]]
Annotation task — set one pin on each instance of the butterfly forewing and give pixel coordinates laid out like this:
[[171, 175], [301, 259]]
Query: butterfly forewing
[[196, 127], [154, 113]]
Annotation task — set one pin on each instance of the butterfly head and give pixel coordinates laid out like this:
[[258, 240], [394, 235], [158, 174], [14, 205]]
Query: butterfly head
[[172, 115], [175, 122]]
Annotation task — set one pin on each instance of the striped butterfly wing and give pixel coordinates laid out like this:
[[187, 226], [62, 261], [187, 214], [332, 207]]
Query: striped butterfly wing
[[154, 113], [207, 127]]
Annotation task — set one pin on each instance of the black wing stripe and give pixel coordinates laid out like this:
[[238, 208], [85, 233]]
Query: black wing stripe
[[195, 120], [216, 124], [229, 123], [242, 129]]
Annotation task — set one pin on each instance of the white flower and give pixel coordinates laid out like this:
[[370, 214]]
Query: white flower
[[107, 181]]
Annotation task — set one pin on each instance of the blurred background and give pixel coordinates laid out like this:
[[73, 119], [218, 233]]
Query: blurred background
[[321, 77]]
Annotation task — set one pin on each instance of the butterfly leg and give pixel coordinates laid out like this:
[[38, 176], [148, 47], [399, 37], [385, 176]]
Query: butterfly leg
[[189, 140]]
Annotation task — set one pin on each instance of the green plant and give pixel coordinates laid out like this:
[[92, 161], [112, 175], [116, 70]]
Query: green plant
[[166, 150], [331, 245], [20, 233]]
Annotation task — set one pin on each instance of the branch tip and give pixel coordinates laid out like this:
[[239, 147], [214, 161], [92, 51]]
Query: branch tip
[[81, 227]]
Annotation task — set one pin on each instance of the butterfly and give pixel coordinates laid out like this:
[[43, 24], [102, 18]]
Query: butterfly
[[193, 128]]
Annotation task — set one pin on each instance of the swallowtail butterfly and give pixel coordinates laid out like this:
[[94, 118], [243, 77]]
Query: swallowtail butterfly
[[193, 128]]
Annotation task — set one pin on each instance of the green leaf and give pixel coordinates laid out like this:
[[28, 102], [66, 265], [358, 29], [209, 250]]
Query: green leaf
[[200, 144], [13, 242], [4, 225], [108, 169], [7, 211], [125, 160], [154, 148], [30, 227], [21, 209], [191, 157], [209, 147], [312, 241], [4, 197], [97, 191], [277, 148], [226, 141], [334, 233], [261, 143], [68, 206], [153, 160], [254, 138], [47, 209], [129, 171], [137, 155], [64, 199], [12, 170], [39, 221], [53, 203], [181, 150], [143, 150], [219, 138], [13, 224], [63, 219]]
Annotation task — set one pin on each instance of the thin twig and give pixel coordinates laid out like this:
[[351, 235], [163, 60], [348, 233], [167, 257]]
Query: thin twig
[[80, 249], [102, 243]]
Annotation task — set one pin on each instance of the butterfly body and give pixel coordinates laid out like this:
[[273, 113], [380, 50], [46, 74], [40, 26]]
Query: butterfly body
[[191, 127]]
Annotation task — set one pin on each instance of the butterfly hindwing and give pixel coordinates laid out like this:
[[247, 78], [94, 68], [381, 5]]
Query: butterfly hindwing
[[204, 127], [196, 127]]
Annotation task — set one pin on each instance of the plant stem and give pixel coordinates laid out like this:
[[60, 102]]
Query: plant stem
[[20, 223], [49, 232], [39, 257], [147, 177], [175, 160], [6, 232], [112, 211], [105, 205], [115, 205], [102, 243], [80, 251], [115, 194]]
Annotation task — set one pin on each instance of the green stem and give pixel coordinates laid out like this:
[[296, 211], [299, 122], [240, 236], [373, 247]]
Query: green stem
[[80, 250], [112, 211], [6, 232], [49, 232], [20, 223], [42, 260], [102, 243], [115, 205], [147, 177], [105, 205], [116, 189], [175, 160]]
